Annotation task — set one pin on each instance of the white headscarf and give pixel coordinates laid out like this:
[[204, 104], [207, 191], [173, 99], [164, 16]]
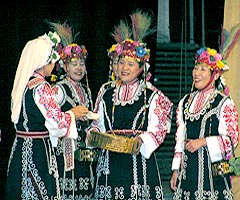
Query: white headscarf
[[36, 54]]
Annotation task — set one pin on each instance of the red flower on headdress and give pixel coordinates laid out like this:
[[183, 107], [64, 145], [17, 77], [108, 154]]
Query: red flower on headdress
[[68, 50], [129, 45], [203, 58], [119, 49], [74, 51], [130, 48]]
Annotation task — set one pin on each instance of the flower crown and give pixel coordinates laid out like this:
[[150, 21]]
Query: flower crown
[[211, 58], [130, 49], [73, 51], [54, 39]]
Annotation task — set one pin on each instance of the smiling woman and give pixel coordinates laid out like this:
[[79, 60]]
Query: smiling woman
[[38, 122], [77, 170], [95, 17], [209, 65], [207, 122], [134, 115]]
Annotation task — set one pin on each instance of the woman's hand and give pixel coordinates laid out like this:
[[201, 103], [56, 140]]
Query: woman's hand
[[194, 145], [173, 180], [80, 112]]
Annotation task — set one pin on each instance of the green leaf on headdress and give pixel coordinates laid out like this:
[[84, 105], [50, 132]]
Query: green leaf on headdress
[[235, 165]]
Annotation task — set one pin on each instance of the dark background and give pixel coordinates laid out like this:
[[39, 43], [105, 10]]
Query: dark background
[[23, 20]]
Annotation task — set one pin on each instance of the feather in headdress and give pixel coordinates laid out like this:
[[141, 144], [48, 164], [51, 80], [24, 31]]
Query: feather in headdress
[[121, 32], [223, 38], [228, 40], [64, 31], [141, 25]]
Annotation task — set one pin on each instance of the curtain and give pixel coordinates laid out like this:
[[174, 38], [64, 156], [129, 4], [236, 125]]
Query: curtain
[[231, 18]]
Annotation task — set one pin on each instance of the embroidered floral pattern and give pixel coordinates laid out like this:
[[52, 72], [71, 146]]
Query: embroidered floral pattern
[[225, 115], [231, 118], [53, 110], [163, 111]]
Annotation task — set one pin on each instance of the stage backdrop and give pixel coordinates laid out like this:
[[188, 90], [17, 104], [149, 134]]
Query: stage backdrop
[[231, 18]]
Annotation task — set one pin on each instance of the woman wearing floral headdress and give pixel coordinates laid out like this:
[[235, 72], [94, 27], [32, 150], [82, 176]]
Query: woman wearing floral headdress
[[77, 171], [207, 122], [39, 123], [134, 119]]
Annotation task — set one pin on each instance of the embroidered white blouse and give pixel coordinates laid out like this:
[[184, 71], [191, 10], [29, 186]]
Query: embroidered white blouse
[[228, 126]]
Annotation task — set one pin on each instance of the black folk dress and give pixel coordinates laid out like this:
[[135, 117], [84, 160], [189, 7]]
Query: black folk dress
[[77, 182], [122, 175], [32, 169], [196, 180]]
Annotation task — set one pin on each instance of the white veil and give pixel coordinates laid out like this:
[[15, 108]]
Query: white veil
[[35, 55]]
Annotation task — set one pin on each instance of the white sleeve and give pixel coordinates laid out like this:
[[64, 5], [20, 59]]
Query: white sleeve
[[179, 136], [100, 121], [159, 124], [58, 123], [59, 93], [220, 146]]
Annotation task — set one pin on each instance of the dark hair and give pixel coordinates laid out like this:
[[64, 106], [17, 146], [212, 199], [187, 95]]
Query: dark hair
[[218, 84]]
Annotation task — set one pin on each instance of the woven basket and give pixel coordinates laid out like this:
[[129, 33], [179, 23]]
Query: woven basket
[[113, 142]]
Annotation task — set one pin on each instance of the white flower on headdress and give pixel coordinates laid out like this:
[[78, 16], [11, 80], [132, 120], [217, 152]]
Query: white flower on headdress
[[147, 66], [223, 81], [54, 38], [55, 56], [222, 86], [61, 63], [226, 67]]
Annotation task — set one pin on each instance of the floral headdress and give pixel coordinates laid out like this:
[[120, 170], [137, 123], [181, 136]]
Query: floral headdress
[[212, 59], [69, 50], [73, 51], [130, 49], [130, 40], [215, 63], [55, 40]]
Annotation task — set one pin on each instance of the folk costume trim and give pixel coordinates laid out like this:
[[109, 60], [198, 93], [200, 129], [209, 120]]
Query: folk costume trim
[[200, 107], [76, 91], [127, 93]]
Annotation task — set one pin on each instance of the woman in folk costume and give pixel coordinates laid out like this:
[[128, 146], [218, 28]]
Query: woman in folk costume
[[134, 118], [113, 66], [39, 123], [77, 179], [207, 122]]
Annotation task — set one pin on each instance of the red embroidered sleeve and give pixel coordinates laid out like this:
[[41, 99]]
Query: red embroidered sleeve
[[52, 109]]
